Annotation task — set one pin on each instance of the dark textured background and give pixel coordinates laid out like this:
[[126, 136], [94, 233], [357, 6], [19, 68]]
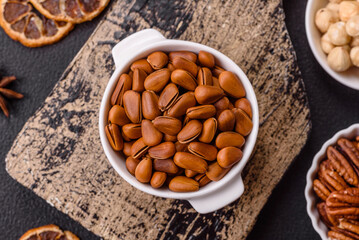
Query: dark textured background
[[333, 107]]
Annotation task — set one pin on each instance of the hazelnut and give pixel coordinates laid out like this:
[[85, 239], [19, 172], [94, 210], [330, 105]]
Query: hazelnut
[[339, 59], [354, 56], [324, 18], [326, 44], [338, 34], [355, 42], [352, 26], [334, 7], [347, 9]]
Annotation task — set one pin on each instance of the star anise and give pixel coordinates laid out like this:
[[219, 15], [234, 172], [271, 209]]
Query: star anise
[[4, 92]]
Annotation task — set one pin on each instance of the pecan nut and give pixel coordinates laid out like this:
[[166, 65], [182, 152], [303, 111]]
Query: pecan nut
[[351, 227], [332, 179], [324, 215], [338, 236], [342, 166], [321, 190], [350, 150], [344, 203]]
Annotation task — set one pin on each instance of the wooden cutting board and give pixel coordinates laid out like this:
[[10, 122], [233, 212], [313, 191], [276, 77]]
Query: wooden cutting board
[[58, 153]]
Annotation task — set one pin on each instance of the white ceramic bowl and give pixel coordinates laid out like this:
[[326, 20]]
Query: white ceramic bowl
[[349, 78], [310, 195], [216, 194]]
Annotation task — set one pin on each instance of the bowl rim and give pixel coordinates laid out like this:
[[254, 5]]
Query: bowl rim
[[310, 196], [309, 21], [251, 139]]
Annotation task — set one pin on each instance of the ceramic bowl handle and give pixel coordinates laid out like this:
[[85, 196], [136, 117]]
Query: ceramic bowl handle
[[133, 44], [220, 198]]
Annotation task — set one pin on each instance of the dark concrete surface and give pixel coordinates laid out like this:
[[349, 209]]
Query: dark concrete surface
[[333, 107]]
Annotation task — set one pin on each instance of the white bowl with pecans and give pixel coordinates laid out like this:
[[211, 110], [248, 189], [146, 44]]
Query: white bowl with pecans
[[311, 197], [348, 77], [214, 195]]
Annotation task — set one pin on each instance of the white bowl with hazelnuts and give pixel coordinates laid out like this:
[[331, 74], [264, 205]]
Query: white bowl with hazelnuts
[[332, 28]]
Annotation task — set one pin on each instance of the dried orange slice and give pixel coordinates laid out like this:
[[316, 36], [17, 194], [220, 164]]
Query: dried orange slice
[[48, 232], [23, 24], [74, 11]]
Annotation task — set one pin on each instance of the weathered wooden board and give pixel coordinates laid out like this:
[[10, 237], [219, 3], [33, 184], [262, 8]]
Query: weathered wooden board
[[58, 152]]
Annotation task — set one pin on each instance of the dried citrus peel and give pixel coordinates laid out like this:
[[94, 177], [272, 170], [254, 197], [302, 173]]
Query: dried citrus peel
[[48, 232], [22, 24], [74, 11]]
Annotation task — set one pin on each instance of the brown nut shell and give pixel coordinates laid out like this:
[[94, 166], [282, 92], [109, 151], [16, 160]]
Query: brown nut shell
[[190, 173], [142, 64], [221, 105], [162, 151], [190, 131], [150, 105], [183, 102], [229, 156], [184, 79], [183, 184], [202, 179], [114, 136], [139, 77], [139, 148], [216, 172], [230, 106], [143, 170], [125, 138], [186, 120], [168, 125], [189, 161], [117, 115], [245, 105], [208, 94], [151, 136], [171, 67], [229, 139], [158, 179], [182, 63], [203, 150], [243, 124], [217, 70], [131, 164], [209, 130], [124, 83], [168, 97], [132, 104], [201, 112], [130, 73], [157, 60], [215, 82], [127, 148], [169, 138], [132, 130], [165, 165], [206, 59], [157, 80], [181, 147], [204, 77], [184, 54], [226, 120], [231, 84]]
